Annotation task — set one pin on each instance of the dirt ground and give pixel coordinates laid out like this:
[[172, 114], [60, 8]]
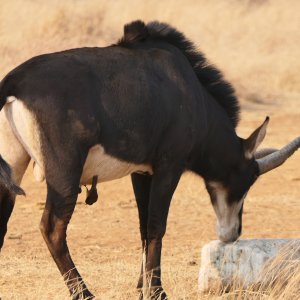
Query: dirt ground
[[256, 44], [104, 238]]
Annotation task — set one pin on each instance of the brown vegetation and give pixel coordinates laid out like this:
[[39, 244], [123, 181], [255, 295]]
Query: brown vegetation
[[257, 44]]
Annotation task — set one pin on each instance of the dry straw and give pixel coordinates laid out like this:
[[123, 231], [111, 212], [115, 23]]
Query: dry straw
[[256, 43]]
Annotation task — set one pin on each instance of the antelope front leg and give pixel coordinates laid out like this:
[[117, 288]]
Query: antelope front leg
[[164, 183], [141, 187], [54, 223]]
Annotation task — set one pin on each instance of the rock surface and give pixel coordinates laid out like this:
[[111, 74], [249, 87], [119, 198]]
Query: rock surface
[[245, 262]]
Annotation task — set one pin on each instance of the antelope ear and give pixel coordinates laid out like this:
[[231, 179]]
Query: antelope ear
[[255, 139]]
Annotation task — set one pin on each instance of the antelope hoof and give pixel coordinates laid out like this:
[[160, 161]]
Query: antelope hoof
[[84, 295], [156, 294]]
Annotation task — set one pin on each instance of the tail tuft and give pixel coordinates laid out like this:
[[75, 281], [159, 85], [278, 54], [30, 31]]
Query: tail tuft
[[6, 178]]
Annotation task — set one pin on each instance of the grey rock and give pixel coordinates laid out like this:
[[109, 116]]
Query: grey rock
[[245, 263]]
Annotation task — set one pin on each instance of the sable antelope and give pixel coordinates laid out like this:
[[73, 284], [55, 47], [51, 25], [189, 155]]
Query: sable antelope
[[150, 106]]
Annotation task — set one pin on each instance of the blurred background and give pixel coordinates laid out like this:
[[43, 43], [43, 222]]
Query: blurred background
[[255, 42]]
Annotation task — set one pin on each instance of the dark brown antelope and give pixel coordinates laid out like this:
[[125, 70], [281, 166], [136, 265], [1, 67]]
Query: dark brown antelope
[[150, 106]]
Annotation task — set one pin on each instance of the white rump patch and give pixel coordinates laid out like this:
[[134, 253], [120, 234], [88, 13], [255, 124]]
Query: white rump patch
[[25, 127]]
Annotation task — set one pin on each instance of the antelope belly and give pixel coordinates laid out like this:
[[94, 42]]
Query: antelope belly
[[107, 167]]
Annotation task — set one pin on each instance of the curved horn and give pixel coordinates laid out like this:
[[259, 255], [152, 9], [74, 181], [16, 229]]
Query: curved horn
[[277, 158], [264, 152]]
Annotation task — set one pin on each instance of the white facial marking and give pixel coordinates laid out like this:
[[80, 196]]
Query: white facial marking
[[107, 167], [228, 221]]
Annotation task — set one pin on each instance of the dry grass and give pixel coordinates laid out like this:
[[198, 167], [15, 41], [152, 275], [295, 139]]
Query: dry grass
[[104, 240], [279, 279], [257, 44]]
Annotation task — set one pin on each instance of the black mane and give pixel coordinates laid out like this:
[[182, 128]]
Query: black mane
[[210, 77]]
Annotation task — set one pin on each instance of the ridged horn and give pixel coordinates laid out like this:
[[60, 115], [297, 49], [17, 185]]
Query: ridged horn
[[277, 158], [264, 152]]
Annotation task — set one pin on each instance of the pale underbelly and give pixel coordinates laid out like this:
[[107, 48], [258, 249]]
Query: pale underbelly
[[104, 166], [107, 168]]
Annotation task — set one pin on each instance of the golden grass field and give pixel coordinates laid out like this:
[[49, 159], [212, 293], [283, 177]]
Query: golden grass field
[[257, 45]]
